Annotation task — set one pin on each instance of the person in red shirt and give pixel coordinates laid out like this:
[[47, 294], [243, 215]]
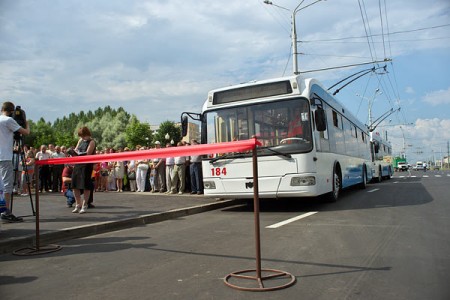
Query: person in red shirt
[[295, 127], [66, 184]]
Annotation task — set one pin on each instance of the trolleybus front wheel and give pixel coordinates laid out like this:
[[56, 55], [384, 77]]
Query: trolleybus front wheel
[[333, 196]]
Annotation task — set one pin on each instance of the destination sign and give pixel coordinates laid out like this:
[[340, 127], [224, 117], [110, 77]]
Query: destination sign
[[253, 92]]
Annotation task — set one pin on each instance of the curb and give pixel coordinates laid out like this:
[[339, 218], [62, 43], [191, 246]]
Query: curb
[[109, 226]]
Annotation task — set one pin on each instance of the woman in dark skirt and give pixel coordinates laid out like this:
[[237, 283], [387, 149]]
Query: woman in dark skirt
[[81, 176]]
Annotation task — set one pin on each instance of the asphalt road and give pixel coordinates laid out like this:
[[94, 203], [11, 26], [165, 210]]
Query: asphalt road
[[389, 241]]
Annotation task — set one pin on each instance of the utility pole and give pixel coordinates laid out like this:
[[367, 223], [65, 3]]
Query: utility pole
[[293, 29], [448, 154]]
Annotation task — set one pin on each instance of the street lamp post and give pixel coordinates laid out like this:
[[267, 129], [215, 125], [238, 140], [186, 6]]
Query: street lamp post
[[294, 29], [294, 40], [404, 146], [167, 137], [370, 104]]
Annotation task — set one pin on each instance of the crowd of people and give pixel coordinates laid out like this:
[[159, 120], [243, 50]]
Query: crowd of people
[[172, 175]]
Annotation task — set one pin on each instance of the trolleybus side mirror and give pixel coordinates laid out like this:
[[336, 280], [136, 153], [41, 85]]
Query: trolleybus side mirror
[[184, 125], [321, 122]]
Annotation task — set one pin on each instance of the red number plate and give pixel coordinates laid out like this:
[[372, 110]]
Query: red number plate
[[219, 171]]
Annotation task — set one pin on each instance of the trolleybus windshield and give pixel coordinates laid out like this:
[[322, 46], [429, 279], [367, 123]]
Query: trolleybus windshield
[[282, 125]]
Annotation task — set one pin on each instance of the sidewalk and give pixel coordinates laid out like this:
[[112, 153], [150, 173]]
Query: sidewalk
[[113, 211]]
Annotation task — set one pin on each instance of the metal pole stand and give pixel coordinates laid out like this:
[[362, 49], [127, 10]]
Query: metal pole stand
[[276, 279], [28, 251], [275, 275]]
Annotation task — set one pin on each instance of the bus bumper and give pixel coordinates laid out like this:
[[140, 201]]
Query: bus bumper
[[290, 185]]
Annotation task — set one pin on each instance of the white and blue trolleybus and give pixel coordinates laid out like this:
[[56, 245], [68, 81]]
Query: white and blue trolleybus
[[381, 157], [311, 144]]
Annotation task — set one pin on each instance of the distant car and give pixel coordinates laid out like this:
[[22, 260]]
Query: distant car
[[419, 166], [436, 168], [402, 166]]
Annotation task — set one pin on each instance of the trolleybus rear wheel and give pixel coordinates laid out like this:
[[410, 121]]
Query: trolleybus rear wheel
[[363, 184]]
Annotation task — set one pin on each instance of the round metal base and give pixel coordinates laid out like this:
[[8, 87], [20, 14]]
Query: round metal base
[[35, 251], [271, 280]]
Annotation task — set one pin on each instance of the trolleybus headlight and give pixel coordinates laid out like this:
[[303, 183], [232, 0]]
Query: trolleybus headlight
[[209, 185], [303, 181]]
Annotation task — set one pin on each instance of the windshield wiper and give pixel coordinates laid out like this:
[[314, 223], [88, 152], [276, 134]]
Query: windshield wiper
[[276, 152], [233, 155], [225, 156]]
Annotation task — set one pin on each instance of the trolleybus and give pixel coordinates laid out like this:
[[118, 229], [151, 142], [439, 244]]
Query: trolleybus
[[311, 144], [381, 157]]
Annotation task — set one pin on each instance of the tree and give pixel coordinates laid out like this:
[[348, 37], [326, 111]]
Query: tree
[[43, 133], [109, 130], [137, 133], [109, 127], [64, 138], [167, 127]]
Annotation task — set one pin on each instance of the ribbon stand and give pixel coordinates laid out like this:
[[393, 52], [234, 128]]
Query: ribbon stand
[[28, 251], [254, 282]]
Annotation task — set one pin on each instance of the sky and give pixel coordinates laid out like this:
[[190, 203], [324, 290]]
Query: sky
[[159, 58]]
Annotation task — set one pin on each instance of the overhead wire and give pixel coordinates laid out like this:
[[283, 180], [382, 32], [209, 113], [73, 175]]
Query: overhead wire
[[382, 27], [392, 76], [372, 49], [395, 88], [342, 41], [281, 24], [374, 35], [362, 10], [362, 97], [329, 55], [277, 19], [386, 40], [287, 61], [317, 58], [386, 81]]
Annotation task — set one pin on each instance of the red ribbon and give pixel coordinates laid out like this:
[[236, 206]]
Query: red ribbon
[[236, 146]]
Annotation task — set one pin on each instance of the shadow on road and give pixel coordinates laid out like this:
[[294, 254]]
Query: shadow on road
[[393, 193]]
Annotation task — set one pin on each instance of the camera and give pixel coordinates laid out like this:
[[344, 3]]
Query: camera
[[19, 116]]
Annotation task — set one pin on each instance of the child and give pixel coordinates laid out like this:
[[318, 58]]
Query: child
[[66, 186]]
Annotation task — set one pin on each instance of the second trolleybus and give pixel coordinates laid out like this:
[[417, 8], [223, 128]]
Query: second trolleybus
[[381, 157]]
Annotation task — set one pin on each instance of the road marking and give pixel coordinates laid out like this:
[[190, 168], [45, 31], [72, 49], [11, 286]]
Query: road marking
[[426, 176], [276, 225], [438, 175], [374, 190]]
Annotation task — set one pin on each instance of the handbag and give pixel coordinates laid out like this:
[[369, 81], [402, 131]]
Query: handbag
[[132, 175]]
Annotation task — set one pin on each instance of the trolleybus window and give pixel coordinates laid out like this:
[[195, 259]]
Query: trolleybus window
[[285, 125]]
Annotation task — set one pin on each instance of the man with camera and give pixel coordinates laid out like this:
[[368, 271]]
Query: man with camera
[[8, 128]]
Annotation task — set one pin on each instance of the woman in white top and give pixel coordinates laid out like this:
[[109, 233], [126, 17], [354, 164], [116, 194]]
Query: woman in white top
[[141, 173]]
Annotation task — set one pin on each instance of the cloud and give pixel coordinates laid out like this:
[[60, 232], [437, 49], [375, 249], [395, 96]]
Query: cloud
[[438, 97], [68, 56], [422, 140], [409, 90]]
